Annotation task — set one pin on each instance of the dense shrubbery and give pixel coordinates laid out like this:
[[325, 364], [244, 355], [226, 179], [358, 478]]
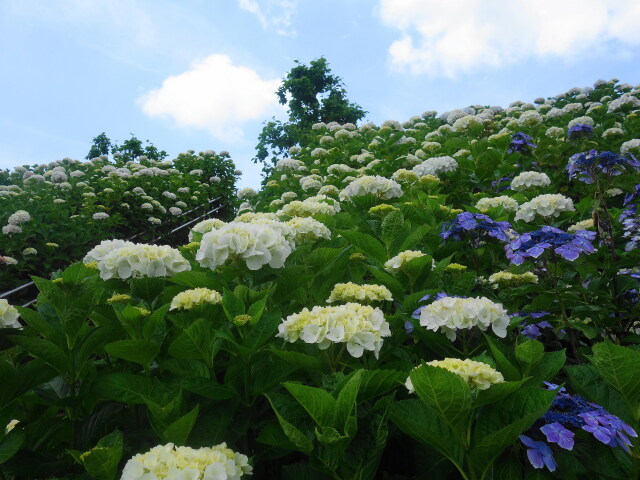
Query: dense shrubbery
[[482, 274], [67, 206]]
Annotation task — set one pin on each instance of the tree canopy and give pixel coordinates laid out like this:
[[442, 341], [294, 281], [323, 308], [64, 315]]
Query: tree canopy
[[312, 94]]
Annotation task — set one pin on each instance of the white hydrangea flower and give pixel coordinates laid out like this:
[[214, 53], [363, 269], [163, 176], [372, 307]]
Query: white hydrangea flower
[[512, 279], [19, 217], [547, 205], [361, 327], [289, 164], [309, 207], [435, 165], [396, 263], [478, 375], [8, 315], [98, 252], [630, 146], [11, 229], [329, 190], [100, 216], [530, 179], [255, 244], [141, 260], [381, 187], [581, 121], [247, 193], [450, 314], [190, 298], [582, 225], [508, 203], [530, 118], [352, 292], [623, 101], [185, 463], [306, 229]]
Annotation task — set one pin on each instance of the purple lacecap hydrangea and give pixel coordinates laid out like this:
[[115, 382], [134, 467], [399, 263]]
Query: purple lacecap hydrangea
[[476, 225], [580, 130], [567, 413], [531, 329], [586, 165], [520, 142], [533, 244]]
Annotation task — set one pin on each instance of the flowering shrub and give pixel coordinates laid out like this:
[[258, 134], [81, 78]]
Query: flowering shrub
[[262, 331]]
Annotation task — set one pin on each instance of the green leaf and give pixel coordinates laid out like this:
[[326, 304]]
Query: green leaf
[[138, 351], [366, 243], [123, 387], [392, 225], [495, 393], [256, 310], [529, 353], [301, 360], [102, 461], [347, 401], [195, 342], [443, 391], [208, 388], [77, 272], [618, 366], [264, 331], [147, 288], [23, 379], [504, 364], [193, 279], [10, 445], [378, 382], [297, 438], [319, 404], [44, 350], [547, 368], [232, 304], [178, 432], [422, 424]]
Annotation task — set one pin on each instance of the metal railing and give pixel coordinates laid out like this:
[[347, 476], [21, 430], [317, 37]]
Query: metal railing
[[8, 293]]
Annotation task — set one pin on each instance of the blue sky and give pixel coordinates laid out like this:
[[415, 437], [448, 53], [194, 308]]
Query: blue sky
[[201, 74]]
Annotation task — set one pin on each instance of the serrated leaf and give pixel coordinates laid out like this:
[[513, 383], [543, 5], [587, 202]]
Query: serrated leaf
[[366, 243], [138, 351], [178, 432], [443, 391], [295, 436], [319, 404], [10, 445], [347, 401], [123, 387], [529, 353], [617, 365], [44, 350]]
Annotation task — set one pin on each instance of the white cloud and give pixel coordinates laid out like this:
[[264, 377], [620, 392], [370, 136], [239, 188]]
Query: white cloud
[[272, 14], [458, 36], [215, 95]]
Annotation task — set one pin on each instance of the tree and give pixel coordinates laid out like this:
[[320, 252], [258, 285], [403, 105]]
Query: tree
[[313, 94], [130, 149], [101, 146]]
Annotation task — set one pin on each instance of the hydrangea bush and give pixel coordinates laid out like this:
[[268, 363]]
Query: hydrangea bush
[[452, 297]]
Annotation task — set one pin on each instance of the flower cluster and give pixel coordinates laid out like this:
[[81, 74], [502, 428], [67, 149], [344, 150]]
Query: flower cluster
[[306, 229], [547, 206], [380, 187], [8, 315], [255, 244], [352, 292], [509, 279], [476, 225], [396, 263], [436, 165], [587, 165], [98, 252], [478, 375], [508, 203], [171, 462], [361, 327], [203, 227], [310, 207], [569, 412], [520, 142], [141, 260], [198, 296], [533, 244], [450, 314], [526, 180]]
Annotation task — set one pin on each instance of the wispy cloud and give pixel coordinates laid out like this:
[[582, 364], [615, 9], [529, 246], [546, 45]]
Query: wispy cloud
[[273, 14], [215, 95], [459, 36]]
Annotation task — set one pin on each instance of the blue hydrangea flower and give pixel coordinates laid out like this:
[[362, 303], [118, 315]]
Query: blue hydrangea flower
[[501, 184], [580, 130], [586, 166], [520, 142], [630, 220], [556, 433], [476, 225], [533, 244], [539, 454]]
